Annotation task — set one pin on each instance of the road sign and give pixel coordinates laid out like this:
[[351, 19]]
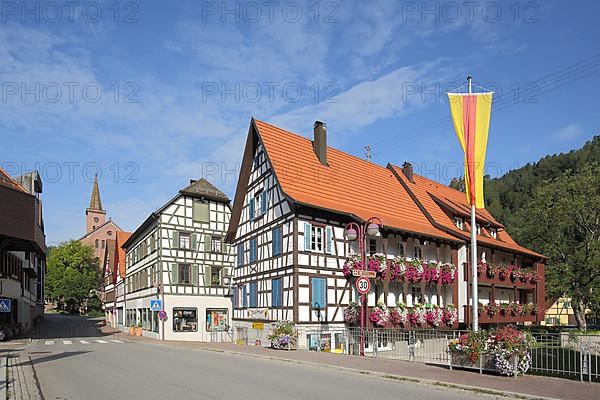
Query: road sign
[[155, 305], [5, 305], [365, 273], [162, 314], [363, 285]]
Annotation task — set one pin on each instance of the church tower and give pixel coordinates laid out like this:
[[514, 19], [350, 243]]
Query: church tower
[[94, 214]]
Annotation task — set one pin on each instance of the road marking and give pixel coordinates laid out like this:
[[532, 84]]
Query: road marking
[[116, 341], [49, 342], [101, 341], [67, 342], [84, 342]]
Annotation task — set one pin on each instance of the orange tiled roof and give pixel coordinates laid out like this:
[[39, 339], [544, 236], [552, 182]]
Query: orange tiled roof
[[428, 191], [7, 181], [349, 185], [120, 259]]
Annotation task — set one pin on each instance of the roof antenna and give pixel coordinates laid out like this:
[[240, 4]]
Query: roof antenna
[[368, 152]]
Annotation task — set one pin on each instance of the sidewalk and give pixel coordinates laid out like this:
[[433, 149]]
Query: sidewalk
[[527, 386], [17, 375]]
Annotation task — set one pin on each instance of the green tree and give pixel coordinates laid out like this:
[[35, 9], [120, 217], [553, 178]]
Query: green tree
[[72, 273], [562, 220]]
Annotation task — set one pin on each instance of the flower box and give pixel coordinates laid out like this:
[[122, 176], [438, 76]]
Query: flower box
[[485, 362]]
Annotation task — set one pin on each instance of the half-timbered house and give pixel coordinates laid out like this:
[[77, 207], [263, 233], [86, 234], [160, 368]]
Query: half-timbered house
[[179, 256], [293, 200]]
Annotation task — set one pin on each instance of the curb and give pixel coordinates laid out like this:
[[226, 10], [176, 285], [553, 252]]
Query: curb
[[386, 376]]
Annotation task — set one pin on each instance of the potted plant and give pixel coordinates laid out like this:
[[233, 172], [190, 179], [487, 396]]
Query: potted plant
[[352, 313], [138, 330], [380, 315], [283, 335], [132, 330]]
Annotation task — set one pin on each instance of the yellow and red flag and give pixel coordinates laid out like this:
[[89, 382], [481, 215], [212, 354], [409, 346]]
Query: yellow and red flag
[[471, 116]]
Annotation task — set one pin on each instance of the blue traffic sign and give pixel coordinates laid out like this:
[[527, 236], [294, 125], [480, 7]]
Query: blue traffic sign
[[155, 305], [5, 305]]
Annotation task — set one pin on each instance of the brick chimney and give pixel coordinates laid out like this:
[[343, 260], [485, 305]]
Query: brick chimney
[[407, 169], [320, 142]]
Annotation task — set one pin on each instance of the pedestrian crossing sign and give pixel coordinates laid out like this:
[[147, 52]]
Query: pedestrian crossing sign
[[155, 305], [5, 305]]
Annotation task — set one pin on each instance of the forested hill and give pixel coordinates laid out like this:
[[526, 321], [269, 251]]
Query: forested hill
[[506, 194]]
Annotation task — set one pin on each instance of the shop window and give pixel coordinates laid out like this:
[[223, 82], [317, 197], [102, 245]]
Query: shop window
[[216, 320], [185, 320]]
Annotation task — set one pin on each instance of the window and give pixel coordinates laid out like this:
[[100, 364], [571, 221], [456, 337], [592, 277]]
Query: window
[[253, 294], [216, 276], [316, 238], [372, 246], [216, 320], [478, 228], [240, 254], [200, 211], [276, 293], [401, 249], [97, 243], [494, 233], [417, 296], [185, 320], [109, 233], [277, 241], [184, 240], [183, 274], [318, 293], [102, 243], [418, 251], [260, 203], [253, 250], [458, 222], [216, 244]]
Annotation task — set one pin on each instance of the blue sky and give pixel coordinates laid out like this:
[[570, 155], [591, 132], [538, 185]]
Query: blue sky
[[154, 93]]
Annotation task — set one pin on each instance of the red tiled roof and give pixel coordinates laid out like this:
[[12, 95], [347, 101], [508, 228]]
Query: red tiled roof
[[348, 185], [428, 191], [120, 258], [7, 181]]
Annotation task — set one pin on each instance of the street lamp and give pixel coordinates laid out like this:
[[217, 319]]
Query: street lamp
[[360, 231]]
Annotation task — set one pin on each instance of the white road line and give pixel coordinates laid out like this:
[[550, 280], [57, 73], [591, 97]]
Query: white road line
[[84, 342], [116, 341], [49, 342], [67, 342], [101, 341]]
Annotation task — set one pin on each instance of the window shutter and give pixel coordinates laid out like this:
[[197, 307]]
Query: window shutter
[[244, 296], [207, 277], [175, 244], [207, 243], [195, 275], [307, 236], [174, 274], [263, 202], [226, 272], [194, 242], [223, 246], [251, 208], [329, 238]]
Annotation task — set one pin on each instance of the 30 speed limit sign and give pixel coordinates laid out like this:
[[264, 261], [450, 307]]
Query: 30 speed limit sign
[[363, 285]]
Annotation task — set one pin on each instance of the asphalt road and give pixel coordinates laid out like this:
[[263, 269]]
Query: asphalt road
[[94, 367]]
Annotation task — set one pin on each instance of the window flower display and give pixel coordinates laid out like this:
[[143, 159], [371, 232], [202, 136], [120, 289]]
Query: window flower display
[[399, 315], [352, 313], [450, 315], [433, 316], [380, 315]]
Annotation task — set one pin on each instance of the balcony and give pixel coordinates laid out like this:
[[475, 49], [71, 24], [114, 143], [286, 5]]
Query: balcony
[[504, 317], [510, 276]]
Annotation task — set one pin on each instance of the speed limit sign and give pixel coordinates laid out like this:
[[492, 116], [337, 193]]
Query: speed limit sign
[[363, 285]]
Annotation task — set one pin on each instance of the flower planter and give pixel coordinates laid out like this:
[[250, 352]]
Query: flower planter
[[132, 331], [138, 331], [486, 361]]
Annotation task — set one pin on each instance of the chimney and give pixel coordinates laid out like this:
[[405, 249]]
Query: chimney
[[192, 181], [407, 169], [320, 142]]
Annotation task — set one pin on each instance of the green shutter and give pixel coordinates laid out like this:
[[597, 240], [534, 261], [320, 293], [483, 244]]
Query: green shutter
[[207, 243], [329, 238], [195, 275], [175, 244], [207, 278], [307, 236], [194, 241], [223, 244], [174, 274]]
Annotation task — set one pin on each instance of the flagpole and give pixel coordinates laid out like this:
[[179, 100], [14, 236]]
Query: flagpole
[[474, 286]]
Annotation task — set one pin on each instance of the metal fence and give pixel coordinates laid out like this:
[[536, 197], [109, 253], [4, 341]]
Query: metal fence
[[562, 354]]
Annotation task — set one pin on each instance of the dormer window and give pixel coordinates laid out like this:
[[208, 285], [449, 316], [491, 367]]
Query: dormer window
[[478, 229], [494, 233], [459, 223]]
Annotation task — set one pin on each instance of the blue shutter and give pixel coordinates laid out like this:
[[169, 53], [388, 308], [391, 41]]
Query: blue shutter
[[277, 241], [252, 250], [254, 294], [240, 254], [251, 208], [275, 292], [263, 202], [329, 240], [307, 236], [244, 297], [318, 293], [236, 297]]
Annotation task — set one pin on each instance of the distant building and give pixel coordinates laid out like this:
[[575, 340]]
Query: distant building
[[113, 281], [22, 249], [179, 256], [560, 313], [98, 229]]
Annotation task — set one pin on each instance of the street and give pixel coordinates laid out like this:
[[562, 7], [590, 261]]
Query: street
[[91, 366]]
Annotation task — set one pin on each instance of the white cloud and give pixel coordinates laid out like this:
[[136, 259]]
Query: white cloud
[[567, 133]]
